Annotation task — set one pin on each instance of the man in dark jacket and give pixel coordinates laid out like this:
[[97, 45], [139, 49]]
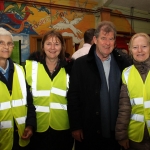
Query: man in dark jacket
[[94, 92]]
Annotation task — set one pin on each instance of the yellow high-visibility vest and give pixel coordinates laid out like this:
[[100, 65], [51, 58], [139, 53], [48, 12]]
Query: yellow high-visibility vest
[[139, 94], [13, 107], [49, 96]]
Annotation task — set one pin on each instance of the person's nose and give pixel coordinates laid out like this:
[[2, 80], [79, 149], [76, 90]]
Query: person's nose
[[139, 49], [53, 46], [107, 41]]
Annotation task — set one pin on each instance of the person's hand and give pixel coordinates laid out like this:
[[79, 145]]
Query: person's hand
[[124, 143], [77, 135], [27, 133]]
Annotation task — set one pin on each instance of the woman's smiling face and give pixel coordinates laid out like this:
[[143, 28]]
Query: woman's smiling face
[[52, 47], [140, 49]]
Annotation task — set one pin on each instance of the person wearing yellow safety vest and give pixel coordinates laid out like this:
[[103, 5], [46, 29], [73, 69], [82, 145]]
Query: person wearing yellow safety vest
[[133, 122], [47, 73], [17, 112]]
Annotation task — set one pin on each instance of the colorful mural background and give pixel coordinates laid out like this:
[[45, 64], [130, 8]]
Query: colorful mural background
[[37, 17], [23, 19]]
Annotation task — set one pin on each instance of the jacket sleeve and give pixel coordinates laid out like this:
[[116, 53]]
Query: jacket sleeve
[[123, 60], [31, 114], [36, 56], [73, 97], [124, 113]]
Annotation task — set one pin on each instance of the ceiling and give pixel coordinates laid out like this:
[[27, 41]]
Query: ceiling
[[143, 5]]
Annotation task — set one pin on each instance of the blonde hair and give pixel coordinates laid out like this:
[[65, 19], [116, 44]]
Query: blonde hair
[[135, 36]]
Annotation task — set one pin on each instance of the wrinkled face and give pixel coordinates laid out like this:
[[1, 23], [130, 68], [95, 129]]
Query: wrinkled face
[[6, 46], [52, 47], [140, 49], [104, 44]]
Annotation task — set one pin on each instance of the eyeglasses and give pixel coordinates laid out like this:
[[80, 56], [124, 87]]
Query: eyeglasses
[[9, 44]]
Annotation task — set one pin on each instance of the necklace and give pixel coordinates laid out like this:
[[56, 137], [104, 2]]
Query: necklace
[[52, 71], [52, 66]]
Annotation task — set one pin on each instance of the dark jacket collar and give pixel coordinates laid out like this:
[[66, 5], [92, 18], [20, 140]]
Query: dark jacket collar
[[11, 65], [63, 63], [10, 76], [123, 60], [36, 56], [90, 55]]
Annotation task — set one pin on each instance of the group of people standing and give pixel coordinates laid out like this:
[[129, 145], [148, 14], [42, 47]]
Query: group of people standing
[[53, 104]]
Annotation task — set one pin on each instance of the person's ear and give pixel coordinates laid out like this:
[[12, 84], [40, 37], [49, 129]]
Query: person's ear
[[94, 40]]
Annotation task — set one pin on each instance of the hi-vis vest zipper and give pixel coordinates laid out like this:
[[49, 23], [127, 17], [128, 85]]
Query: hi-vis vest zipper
[[49, 96], [13, 106], [140, 101]]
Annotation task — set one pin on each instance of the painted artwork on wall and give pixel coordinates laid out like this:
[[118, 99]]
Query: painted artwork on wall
[[37, 19], [14, 17], [22, 20]]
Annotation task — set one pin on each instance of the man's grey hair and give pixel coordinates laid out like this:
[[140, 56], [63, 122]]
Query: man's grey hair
[[5, 32], [107, 27]]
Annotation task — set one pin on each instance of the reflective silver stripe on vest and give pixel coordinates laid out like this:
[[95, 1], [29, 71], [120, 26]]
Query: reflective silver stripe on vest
[[21, 78], [42, 108], [58, 106], [5, 105], [148, 123], [126, 74], [40, 93], [147, 104], [21, 120], [34, 82], [54, 90], [5, 124], [19, 102], [52, 106], [16, 103], [136, 101], [137, 117], [58, 91], [67, 81]]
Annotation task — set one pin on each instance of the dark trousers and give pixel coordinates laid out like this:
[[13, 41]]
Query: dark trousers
[[52, 140], [97, 142], [16, 145]]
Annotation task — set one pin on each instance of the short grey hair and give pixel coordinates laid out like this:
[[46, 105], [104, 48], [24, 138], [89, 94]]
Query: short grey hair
[[107, 27], [5, 32]]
